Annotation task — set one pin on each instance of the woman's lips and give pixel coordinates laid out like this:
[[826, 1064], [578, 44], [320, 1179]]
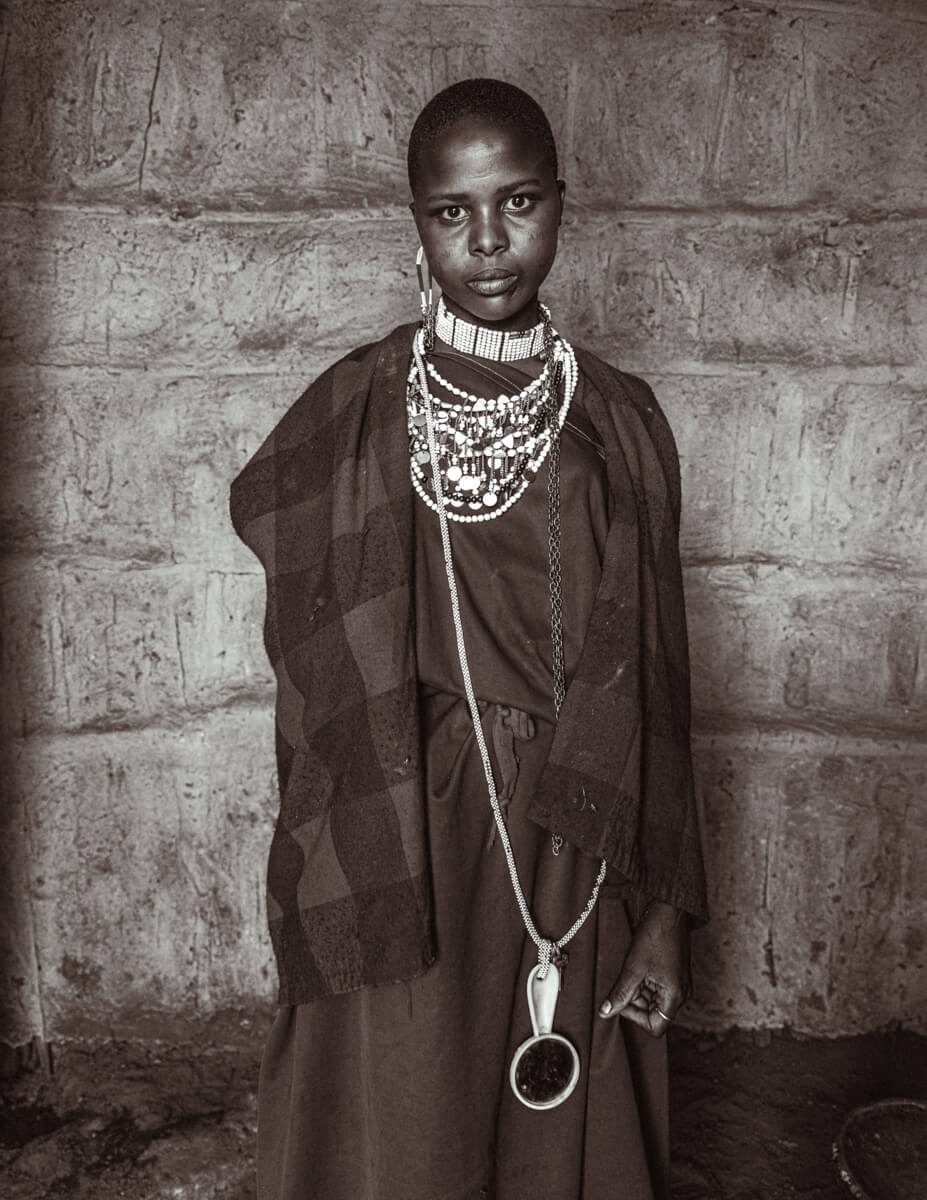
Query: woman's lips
[[494, 284]]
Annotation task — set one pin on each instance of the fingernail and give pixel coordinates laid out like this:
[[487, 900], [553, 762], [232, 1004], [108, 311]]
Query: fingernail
[[606, 1008]]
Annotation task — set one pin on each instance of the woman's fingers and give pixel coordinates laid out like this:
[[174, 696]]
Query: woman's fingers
[[652, 1007], [626, 990], [647, 1018], [645, 997], [646, 1002]]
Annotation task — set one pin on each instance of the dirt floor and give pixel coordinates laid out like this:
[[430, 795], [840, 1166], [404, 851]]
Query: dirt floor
[[755, 1116]]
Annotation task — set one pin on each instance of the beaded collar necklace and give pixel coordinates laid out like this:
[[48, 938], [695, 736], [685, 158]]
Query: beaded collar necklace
[[502, 345]]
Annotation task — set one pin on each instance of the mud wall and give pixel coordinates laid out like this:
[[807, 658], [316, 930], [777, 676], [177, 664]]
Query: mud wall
[[203, 205]]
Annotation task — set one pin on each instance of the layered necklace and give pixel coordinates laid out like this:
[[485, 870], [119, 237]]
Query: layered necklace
[[488, 448], [545, 1068]]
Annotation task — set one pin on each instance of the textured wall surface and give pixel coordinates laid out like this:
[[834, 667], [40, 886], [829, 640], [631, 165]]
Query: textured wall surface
[[204, 205]]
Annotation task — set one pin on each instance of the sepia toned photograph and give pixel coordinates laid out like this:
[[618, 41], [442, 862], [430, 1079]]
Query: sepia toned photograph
[[463, 503]]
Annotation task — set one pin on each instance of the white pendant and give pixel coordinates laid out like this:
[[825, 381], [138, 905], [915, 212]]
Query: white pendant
[[545, 1067]]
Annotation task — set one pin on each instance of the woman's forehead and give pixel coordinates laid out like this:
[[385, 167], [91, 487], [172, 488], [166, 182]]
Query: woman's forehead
[[476, 149]]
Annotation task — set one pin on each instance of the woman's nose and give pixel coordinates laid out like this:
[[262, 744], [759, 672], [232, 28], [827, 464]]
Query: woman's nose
[[487, 234]]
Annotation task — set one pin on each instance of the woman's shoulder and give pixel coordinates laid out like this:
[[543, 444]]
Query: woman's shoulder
[[309, 425], [389, 354], [396, 344], [618, 387], [633, 413], [352, 374]]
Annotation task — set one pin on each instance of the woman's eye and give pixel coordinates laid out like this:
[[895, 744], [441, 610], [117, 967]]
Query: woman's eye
[[520, 202], [453, 212]]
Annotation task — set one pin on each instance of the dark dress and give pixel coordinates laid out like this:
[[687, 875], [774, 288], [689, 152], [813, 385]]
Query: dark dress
[[401, 1092]]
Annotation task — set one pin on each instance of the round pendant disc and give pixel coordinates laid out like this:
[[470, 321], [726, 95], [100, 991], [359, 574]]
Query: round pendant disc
[[544, 1071]]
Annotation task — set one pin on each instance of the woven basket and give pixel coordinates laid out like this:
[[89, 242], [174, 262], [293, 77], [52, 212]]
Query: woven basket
[[881, 1151]]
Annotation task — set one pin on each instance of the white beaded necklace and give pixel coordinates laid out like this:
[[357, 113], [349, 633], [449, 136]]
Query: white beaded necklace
[[502, 345], [439, 379], [488, 450]]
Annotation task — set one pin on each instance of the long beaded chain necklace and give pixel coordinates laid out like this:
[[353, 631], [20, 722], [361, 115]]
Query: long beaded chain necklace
[[545, 1068], [486, 450]]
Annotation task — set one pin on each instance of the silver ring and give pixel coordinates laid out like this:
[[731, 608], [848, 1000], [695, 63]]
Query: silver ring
[[661, 1013]]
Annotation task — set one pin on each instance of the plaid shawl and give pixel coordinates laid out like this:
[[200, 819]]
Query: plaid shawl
[[327, 506]]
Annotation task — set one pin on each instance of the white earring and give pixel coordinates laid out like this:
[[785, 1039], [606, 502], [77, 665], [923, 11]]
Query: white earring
[[428, 306]]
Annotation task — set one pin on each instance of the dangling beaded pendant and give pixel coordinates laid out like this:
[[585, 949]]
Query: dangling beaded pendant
[[428, 305]]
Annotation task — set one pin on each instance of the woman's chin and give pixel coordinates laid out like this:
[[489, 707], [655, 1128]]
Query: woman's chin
[[505, 311]]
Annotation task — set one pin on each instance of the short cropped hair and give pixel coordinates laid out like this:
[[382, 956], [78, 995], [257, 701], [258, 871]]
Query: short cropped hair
[[490, 100]]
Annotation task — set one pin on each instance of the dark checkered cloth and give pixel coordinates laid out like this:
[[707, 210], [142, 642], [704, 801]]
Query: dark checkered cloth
[[327, 506]]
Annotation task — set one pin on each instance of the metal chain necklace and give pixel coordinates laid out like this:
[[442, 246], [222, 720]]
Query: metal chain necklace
[[553, 531], [553, 550], [545, 1068]]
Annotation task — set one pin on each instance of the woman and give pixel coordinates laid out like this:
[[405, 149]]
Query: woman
[[488, 825]]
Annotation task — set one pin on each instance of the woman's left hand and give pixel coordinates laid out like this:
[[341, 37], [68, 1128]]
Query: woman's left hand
[[654, 981]]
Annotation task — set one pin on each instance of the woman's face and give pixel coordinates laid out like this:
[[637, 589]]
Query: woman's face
[[487, 208]]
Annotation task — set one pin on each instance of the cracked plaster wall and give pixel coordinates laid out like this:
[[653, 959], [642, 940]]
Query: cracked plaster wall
[[203, 205]]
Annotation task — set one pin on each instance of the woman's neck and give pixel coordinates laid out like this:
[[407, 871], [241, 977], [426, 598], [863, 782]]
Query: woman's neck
[[486, 341]]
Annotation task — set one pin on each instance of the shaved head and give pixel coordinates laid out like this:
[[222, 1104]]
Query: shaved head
[[488, 100]]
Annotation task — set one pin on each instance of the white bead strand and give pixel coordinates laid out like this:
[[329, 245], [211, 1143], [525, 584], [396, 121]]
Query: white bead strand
[[439, 379]]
